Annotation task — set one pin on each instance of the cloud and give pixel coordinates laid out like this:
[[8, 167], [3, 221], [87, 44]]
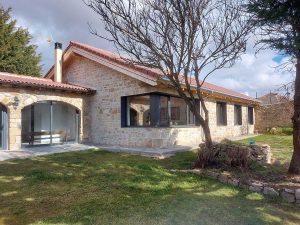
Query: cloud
[[253, 74], [66, 20], [63, 21]]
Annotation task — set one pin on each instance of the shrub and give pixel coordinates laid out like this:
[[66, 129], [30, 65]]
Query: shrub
[[287, 130]]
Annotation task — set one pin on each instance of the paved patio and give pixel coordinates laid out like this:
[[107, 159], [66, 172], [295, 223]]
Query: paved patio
[[46, 150], [42, 150], [149, 152]]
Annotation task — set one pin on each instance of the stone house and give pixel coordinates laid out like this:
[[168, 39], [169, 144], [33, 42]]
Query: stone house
[[275, 111], [91, 95]]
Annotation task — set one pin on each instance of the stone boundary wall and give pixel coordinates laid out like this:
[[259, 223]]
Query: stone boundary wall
[[289, 195], [275, 115], [235, 155]]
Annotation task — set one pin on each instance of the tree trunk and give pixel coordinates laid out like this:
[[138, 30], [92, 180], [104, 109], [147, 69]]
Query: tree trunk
[[204, 122], [295, 162], [206, 130]]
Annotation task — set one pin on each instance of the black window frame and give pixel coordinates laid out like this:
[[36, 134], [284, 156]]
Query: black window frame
[[155, 111], [238, 115], [221, 119], [250, 115]]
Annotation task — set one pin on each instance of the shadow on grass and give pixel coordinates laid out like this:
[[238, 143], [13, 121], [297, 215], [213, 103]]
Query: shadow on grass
[[98, 187]]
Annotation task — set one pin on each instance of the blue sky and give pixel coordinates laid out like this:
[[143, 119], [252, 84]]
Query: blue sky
[[66, 20], [279, 58]]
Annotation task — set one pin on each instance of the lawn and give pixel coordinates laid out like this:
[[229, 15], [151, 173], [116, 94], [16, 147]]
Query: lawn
[[281, 145], [98, 187]]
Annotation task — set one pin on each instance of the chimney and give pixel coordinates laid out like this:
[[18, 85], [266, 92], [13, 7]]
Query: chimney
[[58, 62]]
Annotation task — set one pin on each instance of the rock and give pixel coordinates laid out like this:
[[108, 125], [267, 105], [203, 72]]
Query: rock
[[270, 191], [244, 186], [212, 174], [256, 186], [298, 202], [266, 150], [290, 191], [233, 181], [196, 171], [223, 178], [288, 196], [297, 194]]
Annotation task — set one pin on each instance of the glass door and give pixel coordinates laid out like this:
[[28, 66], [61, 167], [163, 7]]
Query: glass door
[[50, 122], [3, 128]]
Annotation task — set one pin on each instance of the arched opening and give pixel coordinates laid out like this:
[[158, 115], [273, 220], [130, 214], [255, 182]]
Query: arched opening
[[50, 122], [3, 127]]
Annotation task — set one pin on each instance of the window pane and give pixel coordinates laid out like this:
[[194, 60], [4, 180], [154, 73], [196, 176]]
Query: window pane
[[139, 113], [164, 111], [221, 113], [41, 117], [238, 115], [191, 119], [64, 123], [250, 115], [178, 111]]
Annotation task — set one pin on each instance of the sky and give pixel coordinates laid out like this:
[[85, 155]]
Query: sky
[[67, 20]]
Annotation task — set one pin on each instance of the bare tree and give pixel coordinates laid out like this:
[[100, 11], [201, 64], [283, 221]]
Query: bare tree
[[187, 40]]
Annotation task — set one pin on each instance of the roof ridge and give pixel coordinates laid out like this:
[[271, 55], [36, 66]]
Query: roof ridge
[[93, 47]]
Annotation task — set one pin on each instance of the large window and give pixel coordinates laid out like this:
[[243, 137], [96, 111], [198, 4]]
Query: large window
[[139, 107], [49, 122], [221, 114], [155, 110], [237, 115], [250, 115], [164, 111]]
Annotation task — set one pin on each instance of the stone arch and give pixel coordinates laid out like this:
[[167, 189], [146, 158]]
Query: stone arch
[[31, 101]]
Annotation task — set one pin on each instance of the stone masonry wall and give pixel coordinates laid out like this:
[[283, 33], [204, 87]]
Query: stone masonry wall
[[27, 97], [103, 117], [276, 115], [230, 130]]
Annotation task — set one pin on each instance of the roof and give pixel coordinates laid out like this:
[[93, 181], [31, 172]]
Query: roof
[[28, 81], [273, 98], [153, 74]]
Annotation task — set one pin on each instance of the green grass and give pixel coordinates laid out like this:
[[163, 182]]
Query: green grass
[[282, 149], [98, 187], [281, 145]]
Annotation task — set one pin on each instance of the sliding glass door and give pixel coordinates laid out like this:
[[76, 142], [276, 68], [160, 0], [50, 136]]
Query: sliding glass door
[[49, 122]]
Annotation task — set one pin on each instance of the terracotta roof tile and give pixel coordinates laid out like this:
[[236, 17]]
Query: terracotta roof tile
[[150, 72], [28, 81], [154, 73]]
